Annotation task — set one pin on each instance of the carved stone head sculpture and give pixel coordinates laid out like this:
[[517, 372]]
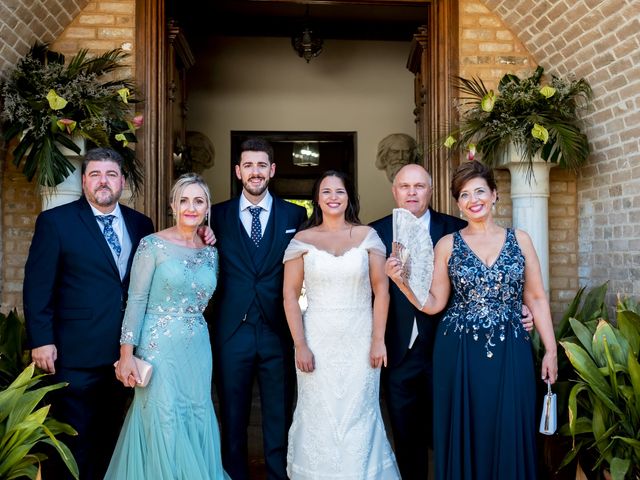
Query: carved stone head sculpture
[[394, 152]]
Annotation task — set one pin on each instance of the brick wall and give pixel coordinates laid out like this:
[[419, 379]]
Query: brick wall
[[73, 24], [22, 22], [489, 49], [597, 40]]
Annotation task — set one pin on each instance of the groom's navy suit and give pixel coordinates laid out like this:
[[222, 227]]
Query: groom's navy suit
[[250, 335], [408, 378], [74, 299]]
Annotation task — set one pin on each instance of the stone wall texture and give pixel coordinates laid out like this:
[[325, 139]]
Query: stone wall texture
[[67, 25]]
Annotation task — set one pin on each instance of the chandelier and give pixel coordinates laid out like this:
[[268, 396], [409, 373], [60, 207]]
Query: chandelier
[[306, 44], [306, 154]]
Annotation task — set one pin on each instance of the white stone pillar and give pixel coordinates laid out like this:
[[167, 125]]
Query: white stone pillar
[[71, 188], [530, 201]]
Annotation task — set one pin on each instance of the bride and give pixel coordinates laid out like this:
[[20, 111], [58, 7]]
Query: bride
[[337, 429]]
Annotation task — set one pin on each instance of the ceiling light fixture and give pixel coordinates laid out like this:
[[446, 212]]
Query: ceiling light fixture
[[306, 154], [306, 44]]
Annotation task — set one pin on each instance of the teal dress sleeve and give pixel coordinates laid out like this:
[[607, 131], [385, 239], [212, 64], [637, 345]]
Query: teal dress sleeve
[[142, 271]]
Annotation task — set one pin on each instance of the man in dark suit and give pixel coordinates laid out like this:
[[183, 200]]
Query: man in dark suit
[[75, 291], [249, 330], [407, 380]]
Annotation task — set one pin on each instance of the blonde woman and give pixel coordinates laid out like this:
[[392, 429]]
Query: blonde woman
[[171, 430]]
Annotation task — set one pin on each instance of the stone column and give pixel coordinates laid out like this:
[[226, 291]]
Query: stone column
[[530, 201]]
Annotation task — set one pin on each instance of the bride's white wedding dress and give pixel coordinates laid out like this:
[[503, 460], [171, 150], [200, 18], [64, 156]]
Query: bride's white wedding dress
[[337, 430]]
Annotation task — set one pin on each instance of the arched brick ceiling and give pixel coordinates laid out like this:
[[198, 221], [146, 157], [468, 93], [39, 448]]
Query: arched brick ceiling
[[23, 22]]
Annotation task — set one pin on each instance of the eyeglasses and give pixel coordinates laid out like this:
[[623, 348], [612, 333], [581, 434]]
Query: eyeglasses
[[477, 194]]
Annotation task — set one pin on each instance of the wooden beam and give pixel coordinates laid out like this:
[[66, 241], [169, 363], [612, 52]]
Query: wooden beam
[[151, 80], [396, 3]]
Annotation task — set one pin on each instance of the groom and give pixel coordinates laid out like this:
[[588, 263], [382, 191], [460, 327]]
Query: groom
[[249, 331]]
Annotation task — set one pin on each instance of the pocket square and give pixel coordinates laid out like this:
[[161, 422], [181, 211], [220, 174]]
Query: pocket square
[[290, 230]]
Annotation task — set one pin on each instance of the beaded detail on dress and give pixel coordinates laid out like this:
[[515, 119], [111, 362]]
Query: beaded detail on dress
[[482, 305], [176, 297]]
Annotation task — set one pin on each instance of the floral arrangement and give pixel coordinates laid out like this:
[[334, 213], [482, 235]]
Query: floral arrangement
[[47, 103], [535, 118]]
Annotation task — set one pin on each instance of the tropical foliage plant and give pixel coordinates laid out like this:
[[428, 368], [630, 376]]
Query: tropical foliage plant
[[535, 118], [14, 355], [24, 424], [604, 401], [47, 102]]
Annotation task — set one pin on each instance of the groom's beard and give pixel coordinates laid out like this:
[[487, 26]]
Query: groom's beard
[[256, 190]]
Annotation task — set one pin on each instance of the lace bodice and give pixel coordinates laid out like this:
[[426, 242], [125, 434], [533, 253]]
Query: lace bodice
[[487, 300], [344, 279], [168, 280]]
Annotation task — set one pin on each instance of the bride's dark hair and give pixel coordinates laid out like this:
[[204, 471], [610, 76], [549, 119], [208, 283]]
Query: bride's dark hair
[[353, 205]]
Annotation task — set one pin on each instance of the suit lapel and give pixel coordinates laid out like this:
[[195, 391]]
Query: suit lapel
[[436, 227], [385, 232], [278, 219], [89, 221], [236, 231], [134, 236]]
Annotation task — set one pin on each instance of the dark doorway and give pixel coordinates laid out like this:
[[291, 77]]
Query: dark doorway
[[337, 151]]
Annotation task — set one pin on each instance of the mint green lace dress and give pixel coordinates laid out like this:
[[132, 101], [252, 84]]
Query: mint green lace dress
[[170, 431]]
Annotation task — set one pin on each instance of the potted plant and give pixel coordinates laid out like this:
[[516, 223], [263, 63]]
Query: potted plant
[[24, 424], [48, 103], [526, 126], [604, 401], [14, 354], [537, 119]]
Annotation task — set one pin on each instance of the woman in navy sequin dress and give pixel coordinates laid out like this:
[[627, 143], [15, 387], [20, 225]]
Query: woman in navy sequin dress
[[485, 421]]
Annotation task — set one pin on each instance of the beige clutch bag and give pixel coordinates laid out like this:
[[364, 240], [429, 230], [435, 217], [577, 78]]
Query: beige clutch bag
[[145, 369]]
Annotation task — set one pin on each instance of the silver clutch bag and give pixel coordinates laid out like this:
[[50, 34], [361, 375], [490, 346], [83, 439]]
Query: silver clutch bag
[[145, 369], [548, 419]]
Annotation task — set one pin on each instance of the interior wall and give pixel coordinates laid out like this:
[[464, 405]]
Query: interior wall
[[241, 83]]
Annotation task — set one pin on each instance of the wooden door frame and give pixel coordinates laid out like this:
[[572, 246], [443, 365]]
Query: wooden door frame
[[151, 75], [438, 62], [434, 60]]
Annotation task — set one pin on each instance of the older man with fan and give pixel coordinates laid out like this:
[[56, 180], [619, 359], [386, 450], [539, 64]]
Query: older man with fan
[[407, 381]]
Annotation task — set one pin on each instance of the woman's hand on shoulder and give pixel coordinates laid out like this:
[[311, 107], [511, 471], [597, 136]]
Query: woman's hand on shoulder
[[206, 233]]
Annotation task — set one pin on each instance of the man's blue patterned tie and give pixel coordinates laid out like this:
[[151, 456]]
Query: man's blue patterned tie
[[109, 233], [256, 227]]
